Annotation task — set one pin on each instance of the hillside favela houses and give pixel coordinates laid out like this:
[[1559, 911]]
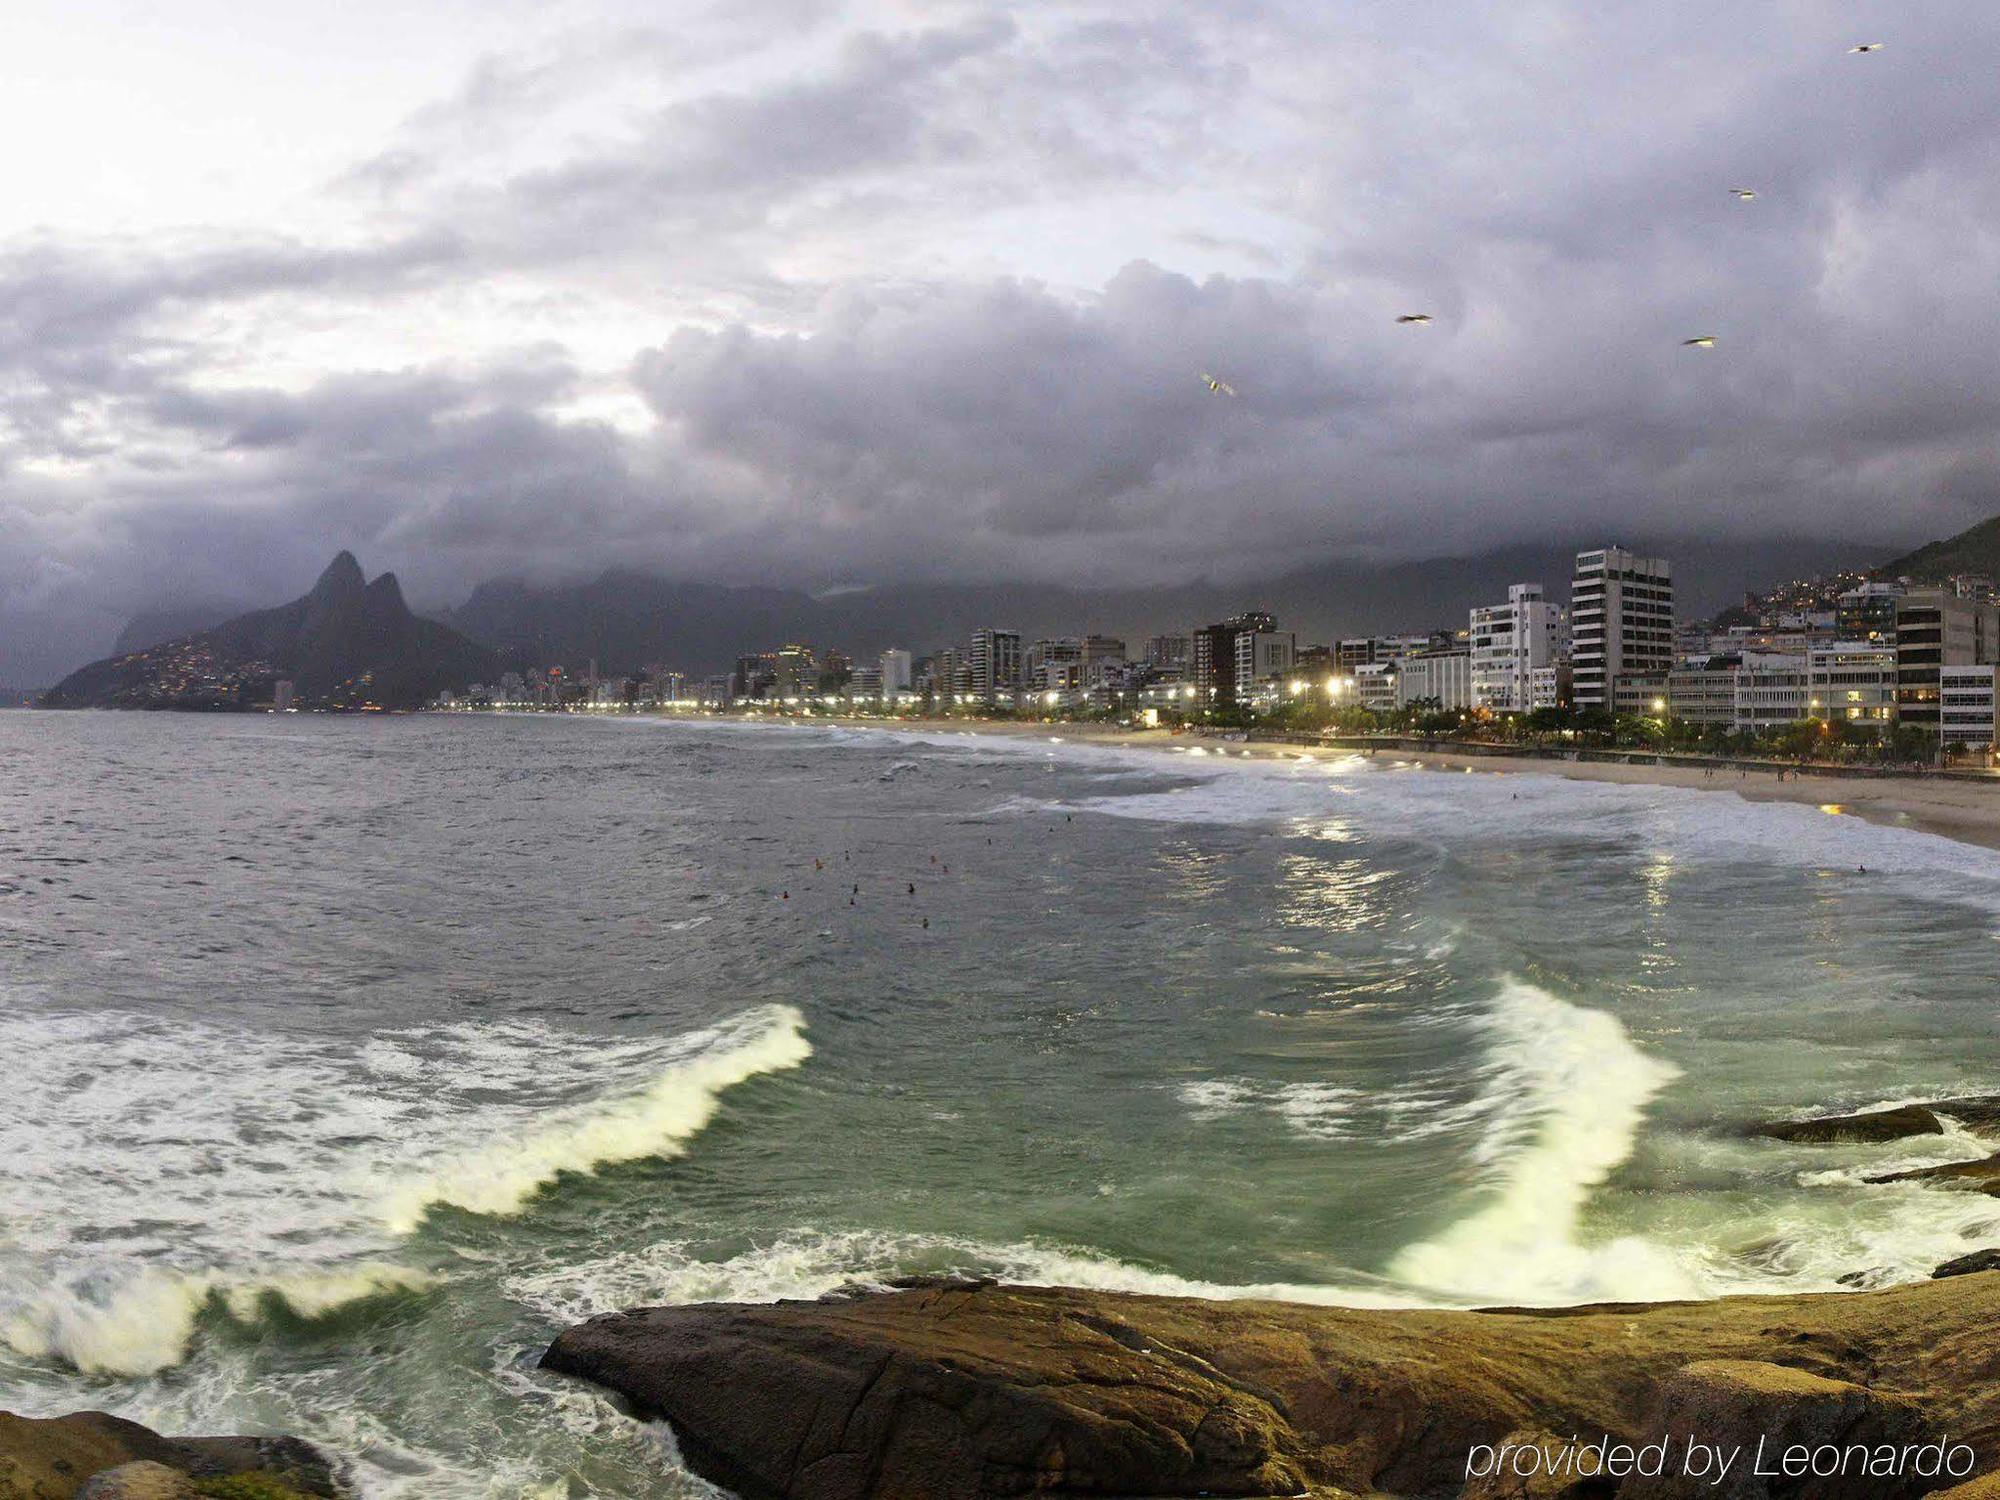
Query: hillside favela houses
[[1850, 667]]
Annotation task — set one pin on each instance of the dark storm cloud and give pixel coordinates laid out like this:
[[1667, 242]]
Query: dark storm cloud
[[841, 386]]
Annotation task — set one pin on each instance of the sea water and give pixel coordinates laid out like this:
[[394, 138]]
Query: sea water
[[347, 1061]]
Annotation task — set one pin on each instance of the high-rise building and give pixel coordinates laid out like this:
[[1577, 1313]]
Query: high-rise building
[[796, 672], [1938, 628], [995, 659], [1621, 622], [1213, 659], [1510, 642], [1262, 655], [1167, 651], [895, 672]]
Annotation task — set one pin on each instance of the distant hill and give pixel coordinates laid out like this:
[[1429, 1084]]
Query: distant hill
[[348, 643], [155, 627], [628, 621], [1974, 550]]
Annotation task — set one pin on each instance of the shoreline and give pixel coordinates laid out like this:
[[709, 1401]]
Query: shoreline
[[1966, 812]]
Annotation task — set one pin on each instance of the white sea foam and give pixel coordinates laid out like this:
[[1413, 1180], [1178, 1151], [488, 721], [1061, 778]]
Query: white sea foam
[[161, 1170], [807, 1263], [1567, 1091], [500, 1178]]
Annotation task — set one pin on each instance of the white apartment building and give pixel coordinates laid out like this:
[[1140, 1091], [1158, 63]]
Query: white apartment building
[[1965, 705], [1621, 621], [1771, 691], [1548, 686], [1262, 655], [1375, 685], [1702, 690], [1853, 680], [1440, 677], [1510, 643]]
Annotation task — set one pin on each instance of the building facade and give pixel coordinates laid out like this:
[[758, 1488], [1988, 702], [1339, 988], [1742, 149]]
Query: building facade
[[994, 660], [1938, 628], [1965, 706], [1621, 622], [1509, 643]]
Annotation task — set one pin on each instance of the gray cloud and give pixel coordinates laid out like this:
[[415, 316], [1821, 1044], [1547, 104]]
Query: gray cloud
[[860, 295]]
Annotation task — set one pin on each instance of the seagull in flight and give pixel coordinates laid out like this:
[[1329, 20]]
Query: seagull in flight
[[1220, 387], [1414, 318], [1746, 194], [1704, 341], [1866, 47]]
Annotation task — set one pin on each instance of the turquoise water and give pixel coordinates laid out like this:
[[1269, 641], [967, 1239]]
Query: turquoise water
[[353, 1059]]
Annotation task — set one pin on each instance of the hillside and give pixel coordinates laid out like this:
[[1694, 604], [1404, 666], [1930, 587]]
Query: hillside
[[1974, 550], [628, 621], [348, 643]]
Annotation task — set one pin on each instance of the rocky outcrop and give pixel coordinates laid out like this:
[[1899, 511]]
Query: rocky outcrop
[[1982, 1175], [956, 1391], [1865, 1128], [95, 1456], [1978, 1113], [1965, 1265]]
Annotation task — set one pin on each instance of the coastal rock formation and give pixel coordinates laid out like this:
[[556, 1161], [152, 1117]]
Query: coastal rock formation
[[1978, 1113], [95, 1455], [957, 1391], [1981, 1175], [346, 644], [1868, 1127], [1965, 1265]]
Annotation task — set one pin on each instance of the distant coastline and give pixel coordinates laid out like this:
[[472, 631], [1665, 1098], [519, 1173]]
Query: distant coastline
[[1955, 805]]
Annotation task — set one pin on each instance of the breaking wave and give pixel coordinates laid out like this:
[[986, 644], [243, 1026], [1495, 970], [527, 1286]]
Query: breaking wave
[[165, 1172]]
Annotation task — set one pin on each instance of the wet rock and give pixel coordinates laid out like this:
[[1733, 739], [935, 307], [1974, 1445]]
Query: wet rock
[[1980, 1176], [1868, 1127], [1965, 1265]]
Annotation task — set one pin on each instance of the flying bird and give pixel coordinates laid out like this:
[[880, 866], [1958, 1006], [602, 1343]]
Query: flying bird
[[1746, 194], [1866, 47], [1220, 387], [1414, 318], [1705, 341]]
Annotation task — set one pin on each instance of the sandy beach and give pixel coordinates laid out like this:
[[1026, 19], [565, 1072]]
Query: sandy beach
[[1968, 811]]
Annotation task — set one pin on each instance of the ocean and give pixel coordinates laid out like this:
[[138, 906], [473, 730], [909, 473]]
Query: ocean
[[349, 1060]]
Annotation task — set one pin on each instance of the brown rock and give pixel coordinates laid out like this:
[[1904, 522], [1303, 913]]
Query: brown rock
[[1981, 1176], [51, 1459], [937, 1393], [1867, 1127], [1966, 1265], [1534, 1465], [1740, 1404], [139, 1481], [1985, 1487]]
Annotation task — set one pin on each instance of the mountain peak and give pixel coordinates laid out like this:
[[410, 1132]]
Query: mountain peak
[[385, 593], [342, 579]]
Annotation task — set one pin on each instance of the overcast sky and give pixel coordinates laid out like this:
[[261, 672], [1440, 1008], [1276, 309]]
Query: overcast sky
[[788, 292]]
